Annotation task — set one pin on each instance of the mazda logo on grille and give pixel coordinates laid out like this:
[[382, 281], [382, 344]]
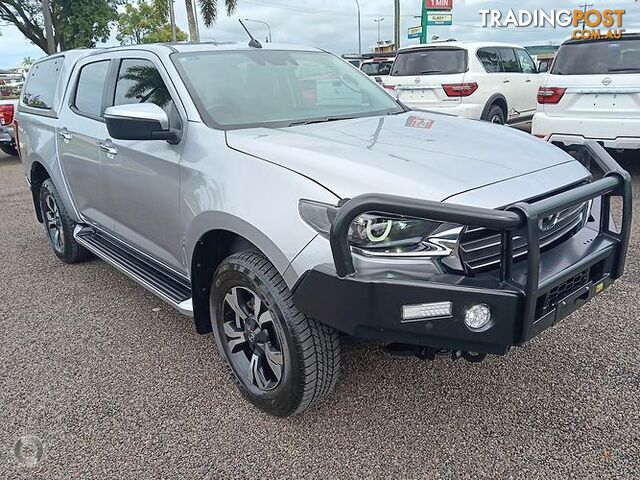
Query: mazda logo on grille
[[547, 223], [607, 81]]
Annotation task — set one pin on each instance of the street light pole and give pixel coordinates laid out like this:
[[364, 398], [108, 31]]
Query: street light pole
[[172, 19], [378, 20], [359, 30], [270, 40]]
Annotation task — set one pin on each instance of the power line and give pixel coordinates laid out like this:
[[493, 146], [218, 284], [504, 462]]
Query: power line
[[585, 6]]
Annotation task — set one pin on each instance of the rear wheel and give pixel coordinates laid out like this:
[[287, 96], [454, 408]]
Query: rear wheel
[[495, 115], [9, 149], [59, 226], [282, 361]]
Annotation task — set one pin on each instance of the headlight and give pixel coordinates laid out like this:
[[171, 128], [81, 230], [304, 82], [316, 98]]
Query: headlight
[[383, 235]]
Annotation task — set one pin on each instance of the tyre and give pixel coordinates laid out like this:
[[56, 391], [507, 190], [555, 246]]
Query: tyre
[[59, 226], [9, 149], [282, 361], [495, 115]]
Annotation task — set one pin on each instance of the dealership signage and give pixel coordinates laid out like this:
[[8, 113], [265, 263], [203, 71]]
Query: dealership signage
[[439, 18], [415, 32], [438, 4]]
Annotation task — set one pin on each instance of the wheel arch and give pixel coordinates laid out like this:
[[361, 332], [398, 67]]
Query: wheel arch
[[37, 175], [208, 247], [496, 99]]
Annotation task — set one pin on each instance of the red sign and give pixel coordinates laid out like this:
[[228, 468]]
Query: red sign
[[438, 4]]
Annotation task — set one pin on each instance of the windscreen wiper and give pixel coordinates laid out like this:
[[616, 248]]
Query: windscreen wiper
[[318, 120], [624, 70]]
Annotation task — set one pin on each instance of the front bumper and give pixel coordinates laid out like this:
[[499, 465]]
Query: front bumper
[[525, 297]]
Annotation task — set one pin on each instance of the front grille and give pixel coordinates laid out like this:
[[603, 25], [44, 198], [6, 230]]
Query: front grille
[[480, 247]]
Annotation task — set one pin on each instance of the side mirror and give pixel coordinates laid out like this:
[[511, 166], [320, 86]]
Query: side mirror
[[543, 67], [139, 121]]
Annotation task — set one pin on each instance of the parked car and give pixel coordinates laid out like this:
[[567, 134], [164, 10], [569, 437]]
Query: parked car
[[496, 82], [592, 93], [7, 136], [283, 217], [378, 68]]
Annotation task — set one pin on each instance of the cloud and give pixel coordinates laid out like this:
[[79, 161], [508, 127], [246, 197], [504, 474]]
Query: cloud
[[332, 24]]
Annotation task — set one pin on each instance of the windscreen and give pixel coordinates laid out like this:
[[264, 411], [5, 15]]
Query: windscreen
[[431, 61], [248, 88], [598, 57], [377, 68]]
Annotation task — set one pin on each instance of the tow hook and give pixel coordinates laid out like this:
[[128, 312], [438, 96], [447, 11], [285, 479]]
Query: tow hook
[[430, 353]]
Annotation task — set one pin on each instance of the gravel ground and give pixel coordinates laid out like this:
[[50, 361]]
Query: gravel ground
[[101, 380]]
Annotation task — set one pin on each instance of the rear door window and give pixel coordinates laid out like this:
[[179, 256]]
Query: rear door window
[[40, 89], [509, 60], [430, 61], [90, 88], [490, 60], [598, 57]]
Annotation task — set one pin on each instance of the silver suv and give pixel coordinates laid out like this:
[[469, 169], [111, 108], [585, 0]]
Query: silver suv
[[284, 199]]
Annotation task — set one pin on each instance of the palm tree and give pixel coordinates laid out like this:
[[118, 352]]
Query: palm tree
[[208, 9]]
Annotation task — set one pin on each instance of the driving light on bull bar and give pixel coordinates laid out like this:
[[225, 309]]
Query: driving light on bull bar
[[425, 311], [478, 316]]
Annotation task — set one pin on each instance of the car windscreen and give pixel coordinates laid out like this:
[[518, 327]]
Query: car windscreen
[[377, 68], [250, 88], [430, 61], [598, 57]]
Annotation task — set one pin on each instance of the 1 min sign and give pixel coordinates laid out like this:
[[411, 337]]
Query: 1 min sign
[[438, 4]]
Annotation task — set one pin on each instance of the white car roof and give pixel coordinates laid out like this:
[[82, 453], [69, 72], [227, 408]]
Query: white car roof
[[467, 45]]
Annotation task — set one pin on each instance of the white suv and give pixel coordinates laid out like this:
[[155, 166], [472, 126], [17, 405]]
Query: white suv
[[497, 82], [592, 93]]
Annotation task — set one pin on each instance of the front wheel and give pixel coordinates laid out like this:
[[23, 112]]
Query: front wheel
[[283, 361]]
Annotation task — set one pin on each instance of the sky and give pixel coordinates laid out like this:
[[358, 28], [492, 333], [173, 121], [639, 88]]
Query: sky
[[332, 24]]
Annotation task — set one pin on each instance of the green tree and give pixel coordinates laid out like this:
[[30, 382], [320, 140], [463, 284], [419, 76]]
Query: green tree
[[143, 23], [208, 9], [74, 23]]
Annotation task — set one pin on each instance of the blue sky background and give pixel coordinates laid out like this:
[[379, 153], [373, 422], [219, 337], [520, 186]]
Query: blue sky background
[[332, 24]]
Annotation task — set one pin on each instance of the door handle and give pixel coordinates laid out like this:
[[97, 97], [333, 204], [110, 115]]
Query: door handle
[[506, 81], [65, 135], [108, 149], [528, 80]]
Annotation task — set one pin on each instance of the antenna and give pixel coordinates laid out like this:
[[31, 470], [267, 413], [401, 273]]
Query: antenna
[[253, 43]]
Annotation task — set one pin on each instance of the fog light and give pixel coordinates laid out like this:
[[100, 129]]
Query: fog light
[[424, 311], [478, 316]]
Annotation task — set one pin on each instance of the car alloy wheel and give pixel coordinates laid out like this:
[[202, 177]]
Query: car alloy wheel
[[496, 119], [54, 223], [252, 339]]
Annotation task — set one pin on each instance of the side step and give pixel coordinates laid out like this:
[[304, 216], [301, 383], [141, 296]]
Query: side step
[[158, 280]]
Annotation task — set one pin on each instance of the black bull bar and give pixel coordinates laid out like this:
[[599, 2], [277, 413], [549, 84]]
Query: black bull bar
[[615, 182]]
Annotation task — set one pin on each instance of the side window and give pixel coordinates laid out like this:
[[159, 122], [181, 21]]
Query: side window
[[526, 62], [139, 81], [40, 89], [490, 60], [509, 60], [90, 88]]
